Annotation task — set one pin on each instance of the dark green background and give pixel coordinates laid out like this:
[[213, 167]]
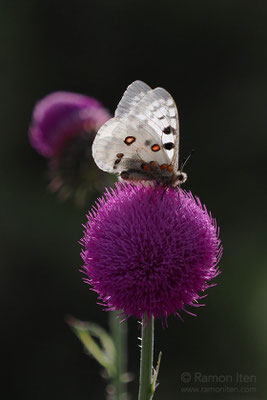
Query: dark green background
[[211, 56]]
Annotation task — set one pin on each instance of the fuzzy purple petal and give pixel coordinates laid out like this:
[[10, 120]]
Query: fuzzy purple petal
[[62, 115], [149, 252]]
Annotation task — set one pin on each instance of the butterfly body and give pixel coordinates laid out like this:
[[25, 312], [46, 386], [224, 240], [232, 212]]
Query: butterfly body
[[151, 172], [141, 142]]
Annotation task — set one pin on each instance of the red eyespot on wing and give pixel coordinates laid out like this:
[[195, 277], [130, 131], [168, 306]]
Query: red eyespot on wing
[[155, 147], [129, 140], [164, 167], [146, 167]]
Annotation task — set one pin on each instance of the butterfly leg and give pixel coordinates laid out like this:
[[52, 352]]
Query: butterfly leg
[[164, 191]]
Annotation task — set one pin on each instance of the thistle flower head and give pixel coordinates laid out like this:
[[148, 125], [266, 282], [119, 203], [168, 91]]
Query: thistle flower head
[[63, 129], [146, 251], [62, 115]]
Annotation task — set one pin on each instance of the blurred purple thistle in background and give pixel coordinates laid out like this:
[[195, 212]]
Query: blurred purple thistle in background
[[149, 253], [63, 128], [60, 116]]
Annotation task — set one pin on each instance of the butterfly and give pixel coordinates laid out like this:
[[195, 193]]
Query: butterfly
[[141, 142]]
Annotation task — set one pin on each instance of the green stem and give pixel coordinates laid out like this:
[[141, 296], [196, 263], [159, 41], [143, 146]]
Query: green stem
[[119, 336], [146, 362]]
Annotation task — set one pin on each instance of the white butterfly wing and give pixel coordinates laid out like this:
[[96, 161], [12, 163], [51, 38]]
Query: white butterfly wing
[[148, 116], [110, 141], [105, 143], [158, 113], [133, 94]]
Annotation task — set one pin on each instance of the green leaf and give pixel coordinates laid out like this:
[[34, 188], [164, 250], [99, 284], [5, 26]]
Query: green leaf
[[105, 352], [155, 377]]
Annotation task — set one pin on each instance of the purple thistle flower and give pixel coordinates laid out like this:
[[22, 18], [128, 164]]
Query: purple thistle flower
[[63, 129], [146, 251], [62, 115]]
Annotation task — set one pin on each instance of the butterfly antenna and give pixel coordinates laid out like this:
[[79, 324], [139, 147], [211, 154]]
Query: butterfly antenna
[[186, 159]]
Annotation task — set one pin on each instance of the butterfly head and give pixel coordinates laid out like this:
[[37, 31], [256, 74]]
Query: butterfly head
[[180, 178]]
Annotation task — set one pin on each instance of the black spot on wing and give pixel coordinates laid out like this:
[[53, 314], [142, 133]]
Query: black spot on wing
[[167, 130], [168, 146]]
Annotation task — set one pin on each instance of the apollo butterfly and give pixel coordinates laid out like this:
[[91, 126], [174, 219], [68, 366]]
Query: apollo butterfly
[[141, 142]]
